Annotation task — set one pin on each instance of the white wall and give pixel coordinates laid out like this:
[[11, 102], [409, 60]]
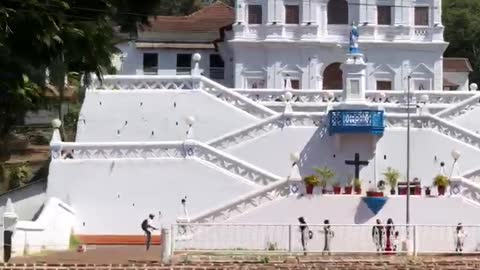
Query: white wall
[[272, 152], [351, 210], [459, 78], [469, 120], [134, 115], [27, 200], [114, 196], [50, 231], [309, 62]]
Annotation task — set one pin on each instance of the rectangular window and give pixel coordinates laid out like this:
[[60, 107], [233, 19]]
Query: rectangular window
[[254, 14], [384, 15], [384, 85], [184, 64], [292, 14], [421, 16], [217, 67], [150, 63], [295, 83]]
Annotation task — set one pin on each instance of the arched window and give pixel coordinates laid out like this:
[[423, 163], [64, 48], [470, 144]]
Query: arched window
[[337, 12], [333, 77]]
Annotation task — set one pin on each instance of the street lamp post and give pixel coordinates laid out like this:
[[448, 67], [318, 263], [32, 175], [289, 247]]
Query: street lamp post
[[408, 153]]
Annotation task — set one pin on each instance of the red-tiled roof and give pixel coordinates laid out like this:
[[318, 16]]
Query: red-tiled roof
[[208, 19], [456, 65]]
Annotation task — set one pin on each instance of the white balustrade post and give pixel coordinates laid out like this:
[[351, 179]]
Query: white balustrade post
[[415, 243], [166, 245], [290, 248]]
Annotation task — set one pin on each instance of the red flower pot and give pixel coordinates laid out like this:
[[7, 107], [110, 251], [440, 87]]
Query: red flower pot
[[358, 191], [418, 191], [402, 191], [374, 194], [309, 189], [348, 190], [337, 190], [428, 192], [324, 191], [441, 190]]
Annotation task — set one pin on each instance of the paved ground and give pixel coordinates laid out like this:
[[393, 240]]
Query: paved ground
[[97, 255]]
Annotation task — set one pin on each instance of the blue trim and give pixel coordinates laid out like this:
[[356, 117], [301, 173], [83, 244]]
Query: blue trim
[[375, 203], [356, 121]]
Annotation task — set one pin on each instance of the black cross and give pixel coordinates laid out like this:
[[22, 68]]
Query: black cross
[[357, 163]]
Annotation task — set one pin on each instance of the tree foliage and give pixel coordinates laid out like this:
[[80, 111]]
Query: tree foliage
[[462, 30]]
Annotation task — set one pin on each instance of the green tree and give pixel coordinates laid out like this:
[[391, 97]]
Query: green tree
[[462, 30]]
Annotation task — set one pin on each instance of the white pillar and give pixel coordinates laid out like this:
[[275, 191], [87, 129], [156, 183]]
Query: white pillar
[[167, 251], [354, 78]]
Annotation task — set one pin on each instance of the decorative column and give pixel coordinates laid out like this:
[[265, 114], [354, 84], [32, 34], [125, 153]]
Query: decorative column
[[10, 219], [196, 64], [56, 141]]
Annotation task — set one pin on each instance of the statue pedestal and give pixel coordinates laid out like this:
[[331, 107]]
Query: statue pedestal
[[354, 78]]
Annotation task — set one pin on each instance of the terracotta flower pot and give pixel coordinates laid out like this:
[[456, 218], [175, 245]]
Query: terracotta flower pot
[[374, 194], [393, 191], [358, 190], [428, 192], [348, 190], [324, 190], [309, 189], [441, 190], [337, 190], [418, 191], [402, 191]]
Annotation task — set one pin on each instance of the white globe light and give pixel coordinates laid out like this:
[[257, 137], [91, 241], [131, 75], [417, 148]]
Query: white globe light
[[424, 98], [190, 120], [197, 57], [288, 96], [456, 154], [294, 157], [56, 123], [473, 87]]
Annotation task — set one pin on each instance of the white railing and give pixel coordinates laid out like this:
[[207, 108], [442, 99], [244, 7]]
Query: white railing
[[341, 238], [436, 124], [244, 203], [268, 125], [466, 188], [142, 82], [460, 108], [473, 175], [163, 150], [322, 96]]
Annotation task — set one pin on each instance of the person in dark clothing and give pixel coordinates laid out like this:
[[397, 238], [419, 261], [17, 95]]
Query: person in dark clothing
[[305, 234], [378, 235], [329, 234], [147, 228]]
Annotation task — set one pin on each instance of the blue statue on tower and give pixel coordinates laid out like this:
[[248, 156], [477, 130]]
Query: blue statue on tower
[[354, 34]]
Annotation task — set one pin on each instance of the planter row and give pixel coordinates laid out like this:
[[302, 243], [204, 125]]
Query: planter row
[[401, 191]]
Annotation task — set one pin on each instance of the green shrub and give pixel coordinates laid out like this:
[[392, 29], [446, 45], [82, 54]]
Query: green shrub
[[18, 174]]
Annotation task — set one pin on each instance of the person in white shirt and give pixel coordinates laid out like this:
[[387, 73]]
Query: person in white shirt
[[148, 228]]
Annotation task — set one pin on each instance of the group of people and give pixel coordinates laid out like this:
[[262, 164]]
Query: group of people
[[385, 237], [306, 235]]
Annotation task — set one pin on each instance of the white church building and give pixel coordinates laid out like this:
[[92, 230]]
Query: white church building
[[264, 42], [220, 123]]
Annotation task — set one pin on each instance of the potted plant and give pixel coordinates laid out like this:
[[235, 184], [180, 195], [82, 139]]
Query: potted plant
[[348, 187], [441, 181], [392, 175], [325, 175], [337, 189], [357, 186], [310, 182]]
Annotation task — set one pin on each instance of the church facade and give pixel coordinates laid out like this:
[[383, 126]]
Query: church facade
[[306, 40]]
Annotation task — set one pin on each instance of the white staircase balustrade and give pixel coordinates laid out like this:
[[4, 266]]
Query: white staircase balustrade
[[163, 150], [473, 175], [244, 203], [267, 126], [148, 82], [466, 188], [461, 108]]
